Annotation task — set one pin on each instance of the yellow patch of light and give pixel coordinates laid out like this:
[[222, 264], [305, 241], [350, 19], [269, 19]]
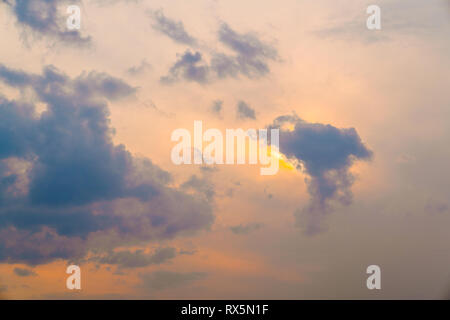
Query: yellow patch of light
[[283, 161], [289, 127]]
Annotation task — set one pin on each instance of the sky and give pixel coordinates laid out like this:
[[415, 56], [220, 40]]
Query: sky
[[86, 176]]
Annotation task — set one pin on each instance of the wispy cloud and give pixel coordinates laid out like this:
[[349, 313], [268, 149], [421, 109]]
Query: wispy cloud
[[22, 272], [251, 55], [135, 259], [161, 280], [246, 228], [244, 111], [217, 108], [140, 69], [171, 28], [250, 59]]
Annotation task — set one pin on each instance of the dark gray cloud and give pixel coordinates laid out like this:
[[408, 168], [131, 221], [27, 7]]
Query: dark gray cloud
[[22, 272], [325, 153], [217, 107], [251, 55], [224, 65], [171, 28], [244, 111], [208, 169], [246, 228], [43, 18], [136, 259], [250, 58], [189, 66], [161, 280], [79, 185]]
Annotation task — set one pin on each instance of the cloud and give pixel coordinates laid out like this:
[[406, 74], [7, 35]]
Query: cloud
[[325, 153], [188, 252], [217, 107], [251, 55], [189, 66], [246, 228], [250, 58], [15, 117], [38, 247], [200, 185], [161, 280], [42, 17], [95, 84], [244, 111], [171, 28], [21, 272], [136, 259], [139, 69], [150, 104], [80, 192]]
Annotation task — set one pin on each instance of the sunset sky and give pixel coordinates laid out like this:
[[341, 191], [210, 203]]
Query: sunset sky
[[86, 176]]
